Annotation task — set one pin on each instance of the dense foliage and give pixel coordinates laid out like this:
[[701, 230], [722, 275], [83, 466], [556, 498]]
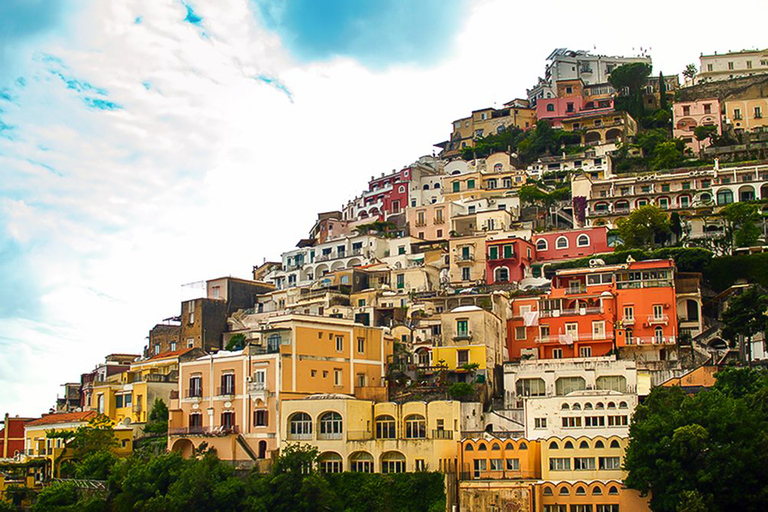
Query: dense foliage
[[169, 483], [644, 227], [540, 140], [708, 451]]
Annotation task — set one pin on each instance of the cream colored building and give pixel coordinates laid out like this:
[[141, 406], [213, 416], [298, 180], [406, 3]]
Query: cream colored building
[[729, 65], [467, 260], [367, 437]]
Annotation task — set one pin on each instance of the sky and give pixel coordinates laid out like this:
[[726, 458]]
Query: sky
[[145, 144]]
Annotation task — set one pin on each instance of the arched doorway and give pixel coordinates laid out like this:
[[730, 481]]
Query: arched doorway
[[592, 137], [262, 449], [184, 447]]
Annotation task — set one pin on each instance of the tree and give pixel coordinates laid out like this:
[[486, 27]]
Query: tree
[[745, 317], [703, 452], [676, 225], [632, 77], [98, 435], [157, 422], [740, 224], [690, 71], [643, 226], [662, 92], [704, 132], [667, 155], [236, 342]]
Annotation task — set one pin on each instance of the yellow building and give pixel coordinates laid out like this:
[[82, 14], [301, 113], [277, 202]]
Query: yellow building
[[570, 474], [231, 400], [746, 114], [363, 436], [470, 336], [488, 121], [40, 440], [602, 128]]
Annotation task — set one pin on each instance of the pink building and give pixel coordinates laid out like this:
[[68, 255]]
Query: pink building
[[555, 110], [687, 115], [575, 243]]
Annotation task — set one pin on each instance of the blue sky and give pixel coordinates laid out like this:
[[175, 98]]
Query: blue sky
[[149, 143]]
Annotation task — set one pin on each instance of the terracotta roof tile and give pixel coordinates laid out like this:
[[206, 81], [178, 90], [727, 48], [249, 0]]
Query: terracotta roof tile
[[170, 353], [63, 417]]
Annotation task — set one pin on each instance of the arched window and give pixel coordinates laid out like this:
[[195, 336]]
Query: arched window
[[576, 407], [584, 444], [561, 243], [568, 445], [565, 407], [385, 427], [565, 385], [393, 462], [523, 446], [588, 406], [361, 462], [330, 426], [550, 107], [659, 335], [582, 241], [599, 406], [501, 275], [599, 444], [469, 448], [415, 427], [498, 168], [482, 447], [330, 462], [401, 189], [612, 383], [495, 447], [541, 244], [615, 444], [423, 356], [553, 446], [426, 186], [564, 491], [581, 491], [436, 185], [548, 491], [613, 490], [724, 196], [510, 446], [623, 405], [597, 491], [300, 425], [611, 405]]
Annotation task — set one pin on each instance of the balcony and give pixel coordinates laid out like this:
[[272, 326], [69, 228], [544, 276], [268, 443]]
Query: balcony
[[568, 339], [652, 340], [303, 436], [462, 335], [628, 321], [658, 320], [571, 312], [574, 290], [225, 391], [221, 430], [465, 258], [330, 435]]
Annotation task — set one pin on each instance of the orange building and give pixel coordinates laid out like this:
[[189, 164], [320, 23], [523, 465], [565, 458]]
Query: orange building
[[232, 400], [591, 311], [568, 474]]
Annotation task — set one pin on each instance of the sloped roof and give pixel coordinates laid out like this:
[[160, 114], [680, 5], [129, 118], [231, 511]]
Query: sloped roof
[[63, 417], [170, 353]]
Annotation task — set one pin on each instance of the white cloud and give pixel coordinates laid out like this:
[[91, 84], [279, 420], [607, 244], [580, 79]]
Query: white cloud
[[206, 170]]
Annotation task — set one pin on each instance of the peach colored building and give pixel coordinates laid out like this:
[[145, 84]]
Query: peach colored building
[[687, 115], [433, 221], [231, 400]]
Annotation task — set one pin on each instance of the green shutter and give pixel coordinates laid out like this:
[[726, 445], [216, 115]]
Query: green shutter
[[456, 186], [507, 251], [494, 253]]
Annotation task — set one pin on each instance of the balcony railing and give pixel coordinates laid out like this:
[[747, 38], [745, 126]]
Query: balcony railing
[[571, 312], [658, 319], [330, 435], [221, 430], [628, 321], [466, 257], [496, 474], [225, 391], [572, 290], [193, 393], [652, 340], [301, 437], [462, 335], [567, 339], [442, 434]]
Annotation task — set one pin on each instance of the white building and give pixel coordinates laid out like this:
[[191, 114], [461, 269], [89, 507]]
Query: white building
[[565, 64], [726, 66]]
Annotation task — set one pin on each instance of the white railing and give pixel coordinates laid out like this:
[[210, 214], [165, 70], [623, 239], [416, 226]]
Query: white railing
[[658, 319], [652, 340]]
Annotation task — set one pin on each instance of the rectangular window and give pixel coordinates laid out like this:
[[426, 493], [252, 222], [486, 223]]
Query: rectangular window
[[557, 353], [493, 253], [462, 328], [737, 113], [118, 401], [559, 464], [456, 186], [420, 465], [228, 419], [465, 275], [339, 344], [618, 421], [462, 357], [730, 65], [583, 463], [658, 311], [361, 345], [540, 423], [337, 377], [629, 313], [496, 464], [585, 351], [361, 380], [508, 251], [470, 184], [195, 386], [707, 108], [520, 333], [571, 421], [260, 418], [758, 112], [400, 281], [709, 67], [607, 508], [227, 384], [594, 421], [513, 465], [610, 462]]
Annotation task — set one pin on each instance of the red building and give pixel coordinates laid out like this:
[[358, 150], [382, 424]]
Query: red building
[[12, 436], [590, 311], [386, 195], [508, 260], [571, 244]]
